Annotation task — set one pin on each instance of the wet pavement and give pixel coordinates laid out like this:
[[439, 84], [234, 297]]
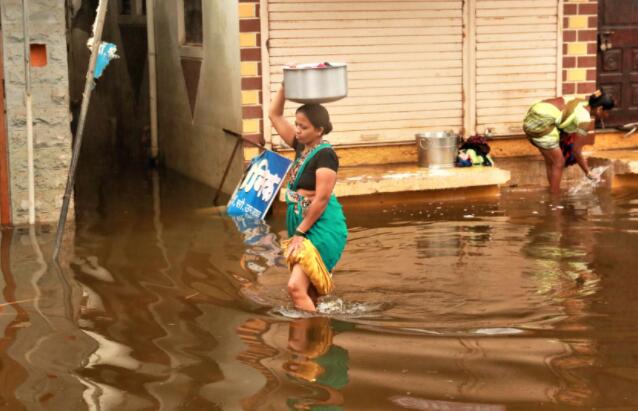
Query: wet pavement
[[163, 302]]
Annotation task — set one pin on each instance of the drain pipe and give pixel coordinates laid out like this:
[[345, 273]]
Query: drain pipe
[[152, 76], [29, 109]]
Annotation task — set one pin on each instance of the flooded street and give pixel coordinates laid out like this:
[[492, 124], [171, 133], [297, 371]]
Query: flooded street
[[163, 302]]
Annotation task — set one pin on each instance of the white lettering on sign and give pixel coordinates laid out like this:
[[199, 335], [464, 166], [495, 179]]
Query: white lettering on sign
[[261, 180]]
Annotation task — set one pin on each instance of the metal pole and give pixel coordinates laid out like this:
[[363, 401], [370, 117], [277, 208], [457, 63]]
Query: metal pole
[[230, 161], [240, 138], [86, 97], [152, 76], [27, 101]]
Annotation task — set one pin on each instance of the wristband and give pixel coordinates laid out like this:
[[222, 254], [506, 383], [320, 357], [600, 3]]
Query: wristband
[[300, 233]]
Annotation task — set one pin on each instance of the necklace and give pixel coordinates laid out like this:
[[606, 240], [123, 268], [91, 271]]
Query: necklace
[[309, 148]]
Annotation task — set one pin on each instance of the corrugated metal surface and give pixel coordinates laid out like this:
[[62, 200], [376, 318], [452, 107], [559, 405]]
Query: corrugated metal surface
[[404, 62], [516, 60]]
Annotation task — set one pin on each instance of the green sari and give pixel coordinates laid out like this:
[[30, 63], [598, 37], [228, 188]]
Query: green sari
[[329, 233]]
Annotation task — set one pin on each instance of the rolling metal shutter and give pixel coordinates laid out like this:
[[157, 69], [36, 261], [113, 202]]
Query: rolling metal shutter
[[518, 58], [405, 62]]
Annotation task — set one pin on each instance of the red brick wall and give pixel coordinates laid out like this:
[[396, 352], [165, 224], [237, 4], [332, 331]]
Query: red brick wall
[[250, 44], [580, 26]]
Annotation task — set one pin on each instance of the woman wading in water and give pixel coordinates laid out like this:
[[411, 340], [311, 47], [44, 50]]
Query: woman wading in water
[[316, 225], [560, 130]]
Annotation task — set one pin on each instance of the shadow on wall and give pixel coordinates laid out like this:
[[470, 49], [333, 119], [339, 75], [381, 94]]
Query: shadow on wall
[[117, 123]]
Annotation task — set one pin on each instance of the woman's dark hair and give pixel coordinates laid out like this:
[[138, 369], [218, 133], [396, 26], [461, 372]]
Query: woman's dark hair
[[317, 115], [601, 99]]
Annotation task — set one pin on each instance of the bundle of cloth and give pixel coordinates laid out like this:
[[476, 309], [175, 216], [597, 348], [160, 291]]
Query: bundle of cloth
[[474, 152]]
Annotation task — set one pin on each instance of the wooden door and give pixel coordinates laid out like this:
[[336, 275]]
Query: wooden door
[[618, 57]]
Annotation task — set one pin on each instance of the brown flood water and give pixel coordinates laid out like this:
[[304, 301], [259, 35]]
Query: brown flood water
[[504, 304]]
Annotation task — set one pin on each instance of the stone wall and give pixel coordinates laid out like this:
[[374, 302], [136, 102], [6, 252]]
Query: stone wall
[[52, 135]]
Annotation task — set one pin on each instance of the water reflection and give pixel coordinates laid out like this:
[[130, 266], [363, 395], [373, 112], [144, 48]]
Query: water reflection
[[319, 363], [302, 366], [316, 361], [516, 303], [158, 347], [262, 247], [13, 373], [561, 243], [40, 342]]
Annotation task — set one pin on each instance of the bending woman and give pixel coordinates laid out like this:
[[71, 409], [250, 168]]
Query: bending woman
[[316, 225], [560, 130]]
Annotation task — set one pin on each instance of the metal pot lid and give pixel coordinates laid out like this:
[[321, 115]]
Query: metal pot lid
[[326, 65], [435, 134]]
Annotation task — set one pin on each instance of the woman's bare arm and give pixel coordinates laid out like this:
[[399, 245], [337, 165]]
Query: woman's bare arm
[[580, 142], [276, 114]]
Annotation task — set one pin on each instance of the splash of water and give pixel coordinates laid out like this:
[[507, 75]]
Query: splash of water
[[586, 185], [336, 307]]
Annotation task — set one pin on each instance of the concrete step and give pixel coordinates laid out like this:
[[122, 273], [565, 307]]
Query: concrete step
[[363, 181], [502, 147], [358, 181], [623, 166]]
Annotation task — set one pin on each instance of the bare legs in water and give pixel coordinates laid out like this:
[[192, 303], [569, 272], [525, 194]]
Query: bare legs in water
[[303, 293], [554, 164]]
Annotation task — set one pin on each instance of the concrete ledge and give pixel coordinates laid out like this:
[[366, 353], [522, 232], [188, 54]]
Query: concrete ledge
[[375, 201], [357, 181], [625, 181], [623, 166], [622, 161], [385, 179], [515, 146]]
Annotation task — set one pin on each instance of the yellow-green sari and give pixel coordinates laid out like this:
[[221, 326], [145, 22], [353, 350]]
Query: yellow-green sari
[[544, 122]]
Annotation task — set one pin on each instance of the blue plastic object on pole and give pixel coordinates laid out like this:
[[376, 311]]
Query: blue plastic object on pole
[[106, 53]]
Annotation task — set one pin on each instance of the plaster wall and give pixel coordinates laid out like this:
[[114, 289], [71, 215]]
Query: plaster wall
[[194, 143]]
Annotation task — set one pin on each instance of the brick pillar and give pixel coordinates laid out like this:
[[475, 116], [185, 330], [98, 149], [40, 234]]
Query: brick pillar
[[580, 28], [250, 45]]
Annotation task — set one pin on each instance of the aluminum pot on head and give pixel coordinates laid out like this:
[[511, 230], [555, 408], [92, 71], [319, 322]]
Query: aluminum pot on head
[[316, 83]]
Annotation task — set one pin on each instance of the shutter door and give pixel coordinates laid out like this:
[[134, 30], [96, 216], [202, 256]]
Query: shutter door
[[517, 57], [404, 62]]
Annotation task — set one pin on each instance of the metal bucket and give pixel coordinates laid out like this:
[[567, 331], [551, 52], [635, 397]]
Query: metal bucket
[[437, 149], [311, 84]]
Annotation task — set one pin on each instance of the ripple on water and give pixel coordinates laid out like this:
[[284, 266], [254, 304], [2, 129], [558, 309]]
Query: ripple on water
[[522, 263]]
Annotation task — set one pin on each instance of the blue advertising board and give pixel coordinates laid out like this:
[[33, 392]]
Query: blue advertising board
[[256, 192]]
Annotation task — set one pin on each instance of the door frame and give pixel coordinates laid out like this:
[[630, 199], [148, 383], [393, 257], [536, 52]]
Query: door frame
[[5, 193]]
